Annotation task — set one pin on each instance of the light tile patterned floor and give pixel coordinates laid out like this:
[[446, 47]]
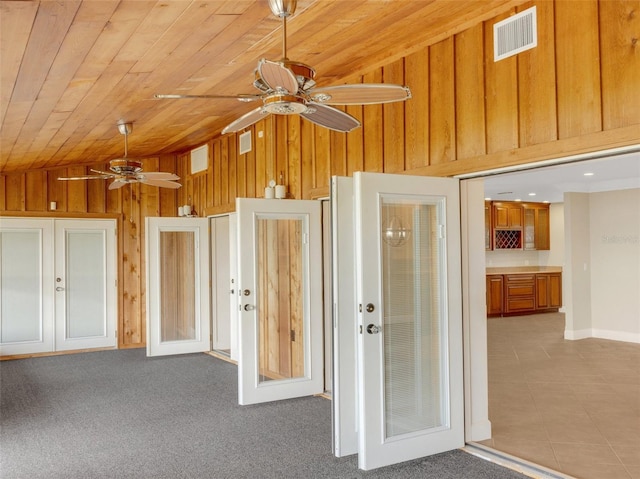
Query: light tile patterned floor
[[572, 406]]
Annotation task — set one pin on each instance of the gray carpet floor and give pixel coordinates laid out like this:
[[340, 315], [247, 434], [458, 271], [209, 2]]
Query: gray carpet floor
[[118, 414]]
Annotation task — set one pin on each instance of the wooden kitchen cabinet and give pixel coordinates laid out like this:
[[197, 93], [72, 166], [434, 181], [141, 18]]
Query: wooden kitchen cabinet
[[548, 291], [507, 215], [495, 294], [519, 293], [536, 226], [523, 292]]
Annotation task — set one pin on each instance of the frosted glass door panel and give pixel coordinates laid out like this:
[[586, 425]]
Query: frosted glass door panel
[[26, 292], [414, 326], [21, 286], [85, 284]]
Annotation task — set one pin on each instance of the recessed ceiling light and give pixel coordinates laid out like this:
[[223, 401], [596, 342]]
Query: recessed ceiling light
[[487, 199], [532, 194], [546, 201], [517, 199], [588, 173]]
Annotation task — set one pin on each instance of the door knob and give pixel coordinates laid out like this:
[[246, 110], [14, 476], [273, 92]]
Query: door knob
[[249, 307], [373, 329], [370, 308], [59, 288]]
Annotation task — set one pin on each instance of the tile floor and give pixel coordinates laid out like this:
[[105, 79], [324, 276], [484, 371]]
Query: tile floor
[[571, 406]]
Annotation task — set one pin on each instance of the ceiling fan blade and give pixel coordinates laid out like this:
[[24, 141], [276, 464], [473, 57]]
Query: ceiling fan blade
[[87, 177], [241, 97], [330, 117], [277, 76], [160, 183], [117, 183], [104, 173], [157, 175], [360, 94], [245, 120]]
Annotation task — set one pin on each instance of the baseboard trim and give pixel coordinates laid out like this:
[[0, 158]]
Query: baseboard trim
[[602, 334]]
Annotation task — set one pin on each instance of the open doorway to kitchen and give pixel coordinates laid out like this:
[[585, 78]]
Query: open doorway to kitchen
[[563, 386]]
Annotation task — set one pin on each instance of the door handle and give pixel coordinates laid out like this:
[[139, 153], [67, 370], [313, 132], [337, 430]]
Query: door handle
[[373, 329], [59, 288], [249, 307]]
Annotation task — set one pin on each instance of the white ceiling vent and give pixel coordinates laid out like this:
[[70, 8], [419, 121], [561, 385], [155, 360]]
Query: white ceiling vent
[[245, 142], [515, 34], [199, 159]]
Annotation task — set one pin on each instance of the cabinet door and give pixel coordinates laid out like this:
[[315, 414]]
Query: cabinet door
[[555, 290], [542, 228], [488, 237], [542, 291], [495, 291]]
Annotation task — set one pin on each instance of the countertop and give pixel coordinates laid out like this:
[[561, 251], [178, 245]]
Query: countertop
[[524, 269]]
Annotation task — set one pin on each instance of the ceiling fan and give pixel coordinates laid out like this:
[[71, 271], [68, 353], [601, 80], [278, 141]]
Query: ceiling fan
[[288, 87], [127, 170]]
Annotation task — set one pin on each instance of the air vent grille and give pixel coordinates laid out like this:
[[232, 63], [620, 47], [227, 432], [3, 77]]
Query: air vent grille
[[245, 142], [515, 34]]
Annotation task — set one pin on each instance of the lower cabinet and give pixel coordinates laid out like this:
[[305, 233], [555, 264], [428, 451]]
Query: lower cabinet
[[523, 293]]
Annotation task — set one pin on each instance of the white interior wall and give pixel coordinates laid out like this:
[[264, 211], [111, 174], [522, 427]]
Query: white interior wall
[[576, 277], [614, 238]]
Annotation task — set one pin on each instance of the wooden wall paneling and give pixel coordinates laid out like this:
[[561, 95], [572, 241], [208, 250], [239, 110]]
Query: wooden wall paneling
[[224, 169], [3, 193], [263, 152], [77, 190], [167, 203], [442, 133], [133, 327], [307, 152], [372, 129], [294, 170], [354, 143], [469, 93], [97, 193], [537, 82], [233, 168], [57, 189], [15, 192], [322, 156], [216, 178], [271, 153], [36, 190], [284, 238], [338, 155], [416, 118], [577, 68], [251, 169], [241, 168], [281, 151], [501, 96], [393, 120], [296, 296], [620, 62]]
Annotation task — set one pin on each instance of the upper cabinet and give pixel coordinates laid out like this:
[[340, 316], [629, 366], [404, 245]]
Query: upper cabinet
[[511, 225]]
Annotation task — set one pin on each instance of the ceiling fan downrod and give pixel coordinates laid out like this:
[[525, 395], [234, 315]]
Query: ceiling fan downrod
[[283, 9]]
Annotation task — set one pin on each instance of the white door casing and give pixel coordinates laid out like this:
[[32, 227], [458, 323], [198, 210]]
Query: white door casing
[[85, 284], [410, 388], [280, 311], [177, 261]]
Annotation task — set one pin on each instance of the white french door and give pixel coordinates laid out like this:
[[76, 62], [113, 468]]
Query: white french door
[[58, 287], [280, 299], [85, 284], [406, 319], [177, 261]]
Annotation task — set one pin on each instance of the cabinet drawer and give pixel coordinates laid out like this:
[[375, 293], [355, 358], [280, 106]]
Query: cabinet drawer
[[520, 304], [520, 278], [520, 290]]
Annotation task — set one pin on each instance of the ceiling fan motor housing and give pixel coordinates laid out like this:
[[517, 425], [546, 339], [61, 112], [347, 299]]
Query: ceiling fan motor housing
[[125, 166]]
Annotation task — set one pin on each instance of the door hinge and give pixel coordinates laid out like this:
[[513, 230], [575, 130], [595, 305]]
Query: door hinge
[[441, 231], [293, 335], [305, 238]]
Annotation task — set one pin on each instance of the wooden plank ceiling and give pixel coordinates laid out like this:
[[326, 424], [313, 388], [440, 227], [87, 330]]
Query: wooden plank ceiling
[[71, 70]]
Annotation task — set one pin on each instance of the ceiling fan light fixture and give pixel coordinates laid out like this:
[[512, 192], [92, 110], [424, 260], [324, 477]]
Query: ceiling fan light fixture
[[282, 8], [125, 166], [285, 104]]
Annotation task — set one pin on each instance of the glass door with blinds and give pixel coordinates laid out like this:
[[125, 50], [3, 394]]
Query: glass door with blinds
[[410, 383]]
